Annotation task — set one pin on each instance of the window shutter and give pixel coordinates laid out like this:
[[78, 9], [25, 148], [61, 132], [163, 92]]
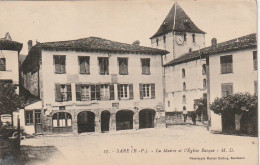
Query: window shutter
[[87, 65], [131, 91], [93, 92], [107, 66], [118, 91], [78, 92], [98, 92], [112, 92], [101, 66], [56, 62], [141, 91], [153, 91], [57, 93], [69, 96], [126, 66], [63, 64], [82, 65]]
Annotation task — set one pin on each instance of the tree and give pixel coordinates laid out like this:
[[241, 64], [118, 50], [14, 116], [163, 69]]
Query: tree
[[9, 99], [236, 103]]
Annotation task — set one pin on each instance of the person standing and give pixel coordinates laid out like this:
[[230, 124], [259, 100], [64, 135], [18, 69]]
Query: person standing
[[185, 114]]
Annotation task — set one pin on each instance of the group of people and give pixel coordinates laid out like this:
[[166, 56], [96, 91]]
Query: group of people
[[197, 112]]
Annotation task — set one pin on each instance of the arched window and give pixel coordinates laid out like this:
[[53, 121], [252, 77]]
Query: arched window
[[61, 119], [185, 36], [184, 108], [184, 86], [193, 38], [183, 73], [203, 69], [183, 99], [157, 41], [204, 83]]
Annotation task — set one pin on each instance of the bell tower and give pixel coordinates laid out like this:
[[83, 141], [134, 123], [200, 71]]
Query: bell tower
[[178, 35]]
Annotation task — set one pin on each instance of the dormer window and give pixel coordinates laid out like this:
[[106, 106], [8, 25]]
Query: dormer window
[[193, 38]]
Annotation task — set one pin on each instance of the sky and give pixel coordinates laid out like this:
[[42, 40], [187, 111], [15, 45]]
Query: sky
[[122, 21]]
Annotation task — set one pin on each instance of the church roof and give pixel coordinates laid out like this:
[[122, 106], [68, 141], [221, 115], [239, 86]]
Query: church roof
[[100, 44], [177, 20], [244, 42]]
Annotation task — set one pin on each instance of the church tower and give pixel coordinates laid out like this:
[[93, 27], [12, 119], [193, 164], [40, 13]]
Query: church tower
[[178, 35]]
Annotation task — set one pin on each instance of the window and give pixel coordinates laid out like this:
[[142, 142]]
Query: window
[[204, 96], [184, 108], [164, 39], [28, 117], [169, 104], [226, 64], [82, 92], [103, 65], [204, 83], [123, 66], [104, 92], [84, 65], [203, 69], [255, 59], [184, 86], [183, 99], [145, 66], [185, 37], [60, 64], [2, 64], [125, 91], [63, 92], [61, 119], [183, 73], [227, 89], [255, 87], [38, 116], [85, 92], [193, 38], [190, 50], [147, 91], [157, 42]]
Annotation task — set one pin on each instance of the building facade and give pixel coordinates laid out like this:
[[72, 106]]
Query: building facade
[[94, 85], [9, 53], [185, 77], [232, 69]]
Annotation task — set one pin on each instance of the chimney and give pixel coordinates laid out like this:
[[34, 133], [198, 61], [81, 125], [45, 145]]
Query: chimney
[[30, 43], [136, 43], [214, 42]]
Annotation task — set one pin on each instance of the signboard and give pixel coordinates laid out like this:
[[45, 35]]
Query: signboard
[[6, 118]]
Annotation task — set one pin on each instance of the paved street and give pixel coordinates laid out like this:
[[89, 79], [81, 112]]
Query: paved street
[[182, 145]]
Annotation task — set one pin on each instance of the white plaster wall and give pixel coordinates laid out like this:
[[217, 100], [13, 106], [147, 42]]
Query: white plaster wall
[[12, 72], [243, 78], [175, 49], [49, 78], [29, 129], [174, 85]]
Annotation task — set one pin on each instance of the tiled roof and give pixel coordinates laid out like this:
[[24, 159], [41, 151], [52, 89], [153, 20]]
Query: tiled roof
[[248, 41], [177, 20], [6, 44], [100, 44]]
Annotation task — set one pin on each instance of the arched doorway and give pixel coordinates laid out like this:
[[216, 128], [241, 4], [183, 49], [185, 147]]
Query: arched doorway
[[86, 122], [105, 118], [146, 118], [124, 120]]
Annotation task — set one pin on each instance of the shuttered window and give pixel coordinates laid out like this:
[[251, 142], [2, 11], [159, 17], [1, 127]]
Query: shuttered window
[[84, 65], [60, 64], [147, 91], [227, 89], [112, 92], [2, 64], [125, 91], [104, 92], [123, 66], [63, 92], [255, 59], [103, 65], [82, 92], [145, 66], [226, 63]]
